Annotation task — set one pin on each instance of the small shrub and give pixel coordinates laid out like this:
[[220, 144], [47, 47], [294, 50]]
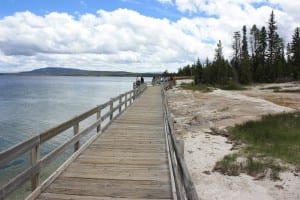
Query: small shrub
[[275, 172], [197, 87], [228, 166], [255, 167]]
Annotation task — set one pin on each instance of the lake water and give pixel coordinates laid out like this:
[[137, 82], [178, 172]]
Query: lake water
[[30, 105]]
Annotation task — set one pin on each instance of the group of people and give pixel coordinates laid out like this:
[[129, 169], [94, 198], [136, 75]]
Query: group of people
[[162, 79], [139, 80], [155, 80]]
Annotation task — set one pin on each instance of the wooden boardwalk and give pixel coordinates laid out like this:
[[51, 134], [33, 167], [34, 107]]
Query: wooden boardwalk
[[128, 161]]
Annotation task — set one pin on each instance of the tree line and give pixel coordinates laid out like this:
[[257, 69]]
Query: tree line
[[262, 57]]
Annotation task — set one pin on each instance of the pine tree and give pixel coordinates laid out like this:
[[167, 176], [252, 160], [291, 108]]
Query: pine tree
[[288, 52], [220, 71], [289, 65], [295, 53], [198, 72], [206, 72], [219, 52], [245, 68], [261, 54], [254, 41], [237, 50], [273, 44], [185, 71], [279, 60], [271, 38]]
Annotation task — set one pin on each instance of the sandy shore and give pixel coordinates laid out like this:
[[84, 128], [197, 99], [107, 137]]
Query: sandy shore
[[195, 113]]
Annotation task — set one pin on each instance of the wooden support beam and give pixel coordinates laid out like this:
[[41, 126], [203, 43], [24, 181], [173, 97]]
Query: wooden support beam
[[98, 117], [180, 144], [111, 110], [76, 130], [120, 103], [35, 157]]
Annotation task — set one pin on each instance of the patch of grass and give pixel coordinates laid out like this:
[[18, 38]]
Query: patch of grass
[[272, 139], [228, 165], [275, 135], [259, 168], [271, 88], [253, 166], [232, 85], [288, 91], [288, 86], [198, 87], [224, 109], [184, 77]]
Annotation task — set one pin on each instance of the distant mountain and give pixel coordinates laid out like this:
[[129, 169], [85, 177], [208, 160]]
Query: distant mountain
[[58, 71], [54, 71]]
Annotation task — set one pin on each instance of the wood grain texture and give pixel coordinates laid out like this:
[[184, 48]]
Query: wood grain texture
[[128, 161]]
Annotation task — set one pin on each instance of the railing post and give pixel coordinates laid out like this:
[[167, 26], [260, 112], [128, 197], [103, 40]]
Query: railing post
[[35, 156], [134, 85], [120, 103], [111, 109], [130, 100], [180, 144], [126, 100], [75, 131], [98, 117]]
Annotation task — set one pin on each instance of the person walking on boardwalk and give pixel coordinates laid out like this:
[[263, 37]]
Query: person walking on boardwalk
[[138, 81], [142, 80]]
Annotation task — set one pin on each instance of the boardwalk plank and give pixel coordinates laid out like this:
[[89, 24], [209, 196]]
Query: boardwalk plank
[[133, 161], [136, 189], [53, 196]]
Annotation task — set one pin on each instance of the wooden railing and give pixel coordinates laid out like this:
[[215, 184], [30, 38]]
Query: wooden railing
[[115, 107], [185, 188]]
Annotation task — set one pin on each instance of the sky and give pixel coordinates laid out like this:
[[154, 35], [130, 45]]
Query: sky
[[129, 35]]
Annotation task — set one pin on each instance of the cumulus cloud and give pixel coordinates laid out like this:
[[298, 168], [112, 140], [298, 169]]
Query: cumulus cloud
[[127, 40], [109, 39], [223, 17]]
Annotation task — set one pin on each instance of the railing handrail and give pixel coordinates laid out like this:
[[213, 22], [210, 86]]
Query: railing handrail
[[34, 142], [180, 170]]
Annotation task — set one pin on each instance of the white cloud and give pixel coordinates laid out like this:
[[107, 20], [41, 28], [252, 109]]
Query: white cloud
[[231, 15], [127, 40], [117, 40]]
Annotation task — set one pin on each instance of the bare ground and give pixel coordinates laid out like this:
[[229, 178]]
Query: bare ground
[[195, 113]]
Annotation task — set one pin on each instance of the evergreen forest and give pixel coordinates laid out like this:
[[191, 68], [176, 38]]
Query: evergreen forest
[[259, 56]]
